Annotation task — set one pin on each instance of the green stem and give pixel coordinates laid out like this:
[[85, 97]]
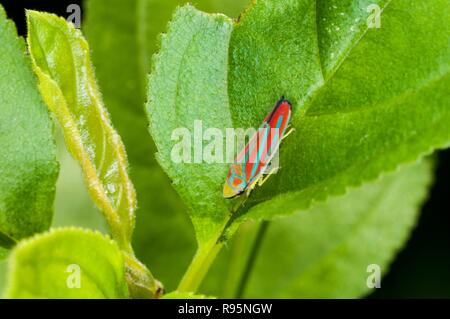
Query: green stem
[[199, 267], [206, 254]]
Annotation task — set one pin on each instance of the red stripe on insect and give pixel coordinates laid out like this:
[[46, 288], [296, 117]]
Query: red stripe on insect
[[252, 161]]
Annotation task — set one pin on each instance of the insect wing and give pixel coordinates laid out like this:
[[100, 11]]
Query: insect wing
[[278, 123], [265, 143], [253, 160]]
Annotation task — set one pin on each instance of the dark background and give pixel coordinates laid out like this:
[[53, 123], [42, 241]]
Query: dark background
[[421, 269]]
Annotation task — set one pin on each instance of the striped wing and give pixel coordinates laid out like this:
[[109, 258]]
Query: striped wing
[[263, 146], [253, 160]]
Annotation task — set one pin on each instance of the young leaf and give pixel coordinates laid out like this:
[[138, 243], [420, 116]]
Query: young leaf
[[67, 263], [67, 82], [61, 60], [325, 252], [188, 84], [231, 8], [28, 167]]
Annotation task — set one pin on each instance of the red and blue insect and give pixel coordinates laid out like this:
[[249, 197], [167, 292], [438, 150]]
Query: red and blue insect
[[252, 162]]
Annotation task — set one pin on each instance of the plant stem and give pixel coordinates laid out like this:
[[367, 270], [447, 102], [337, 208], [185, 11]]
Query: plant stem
[[206, 254], [199, 266]]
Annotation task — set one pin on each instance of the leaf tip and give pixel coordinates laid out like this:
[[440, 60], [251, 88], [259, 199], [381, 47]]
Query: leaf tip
[[34, 15]]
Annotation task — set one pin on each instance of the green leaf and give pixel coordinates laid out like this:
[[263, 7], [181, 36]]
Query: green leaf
[[130, 30], [61, 60], [325, 252], [381, 101], [28, 167], [184, 295], [163, 237], [192, 74], [365, 100], [54, 264]]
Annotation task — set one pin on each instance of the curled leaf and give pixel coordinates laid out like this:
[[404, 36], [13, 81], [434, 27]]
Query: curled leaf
[[61, 59]]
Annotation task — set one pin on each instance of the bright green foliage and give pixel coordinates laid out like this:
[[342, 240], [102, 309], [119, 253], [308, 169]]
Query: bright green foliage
[[324, 253], [67, 82], [125, 34], [368, 226], [47, 266], [288, 48], [62, 62], [341, 24], [28, 167], [189, 83], [383, 102], [365, 100], [273, 52], [121, 54]]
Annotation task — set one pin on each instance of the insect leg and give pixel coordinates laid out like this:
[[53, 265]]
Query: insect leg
[[291, 130], [251, 187], [264, 179]]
